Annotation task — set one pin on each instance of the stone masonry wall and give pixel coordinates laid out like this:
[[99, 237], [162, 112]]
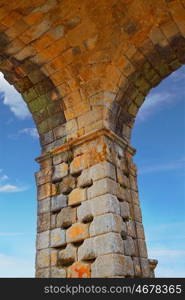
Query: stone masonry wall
[[89, 217]]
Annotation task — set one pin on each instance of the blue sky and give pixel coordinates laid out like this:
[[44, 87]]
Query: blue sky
[[158, 136]]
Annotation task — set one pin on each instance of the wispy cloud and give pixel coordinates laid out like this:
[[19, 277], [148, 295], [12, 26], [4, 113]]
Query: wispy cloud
[[3, 178], [9, 188], [170, 166], [13, 99], [30, 131], [153, 103]]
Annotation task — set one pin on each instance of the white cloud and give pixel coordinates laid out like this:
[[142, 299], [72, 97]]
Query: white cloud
[[12, 266], [9, 188], [178, 164], [30, 131], [152, 103], [13, 99]]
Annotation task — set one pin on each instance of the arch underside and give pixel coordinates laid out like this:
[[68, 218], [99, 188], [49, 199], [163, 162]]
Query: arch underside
[[69, 59]]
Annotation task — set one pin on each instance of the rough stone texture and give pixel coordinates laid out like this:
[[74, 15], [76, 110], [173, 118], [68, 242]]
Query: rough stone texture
[[58, 202], [43, 273], [129, 246], [43, 206], [58, 237], [66, 217], [106, 223], [98, 206], [58, 273], [108, 265], [101, 187], [79, 270], [43, 258], [77, 196], [60, 171], [67, 185], [107, 243], [77, 232], [43, 240], [68, 255], [125, 210]]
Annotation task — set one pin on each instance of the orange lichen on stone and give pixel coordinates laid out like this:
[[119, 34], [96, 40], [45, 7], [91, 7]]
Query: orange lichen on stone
[[79, 270], [77, 232]]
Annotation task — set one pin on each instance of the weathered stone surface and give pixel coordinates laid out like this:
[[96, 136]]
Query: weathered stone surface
[[104, 244], [122, 179], [66, 217], [58, 272], [68, 255], [67, 185], [96, 172], [129, 246], [137, 213], [145, 268], [77, 232], [108, 265], [46, 190], [43, 258], [140, 231], [101, 187], [77, 196], [142, 248], [106, 223], [79, 270], [125, 210], [43, 240], [43, 206], [58, 202], [58, 237], [137, 266], [43, 222], [43, 273], [98, 206], [53, 256], [129, 267], [131, 229], [60, 171]]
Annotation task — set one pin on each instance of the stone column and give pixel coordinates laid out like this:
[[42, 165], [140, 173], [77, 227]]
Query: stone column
[[89, 217]]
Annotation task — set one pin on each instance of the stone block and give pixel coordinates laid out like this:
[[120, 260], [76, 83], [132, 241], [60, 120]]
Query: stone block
[[58, 202], [122, 179], [53, 223], [66, 217], [43, 273], [106, 223], [43, 258], [79, 270], [77, 196], [104, 244], [137, 266], [98, 206], [60, 171], [102, 170], [77, 232], [43, 206], [145, 268], [137, 213], [101, 187], [46, 190], [140, 230], [53, 256], [129, 246], [61, 157], [43, 222], [108, 265], [58, 237], [43, 240], [129, 266], [142, 248], [67, 185], [135, 197], [68, 255], [131, 229], [58, 272], [125, 210]]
